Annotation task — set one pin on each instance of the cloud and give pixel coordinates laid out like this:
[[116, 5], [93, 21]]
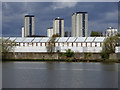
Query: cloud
[[101, 15], [112, 16], [60, 5]]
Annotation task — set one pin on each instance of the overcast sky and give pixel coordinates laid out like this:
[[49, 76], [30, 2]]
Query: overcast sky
[[101, 15]]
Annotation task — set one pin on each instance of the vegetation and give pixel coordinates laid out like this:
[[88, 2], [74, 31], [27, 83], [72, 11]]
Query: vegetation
[[51, 44], [88, 55], [69, 53], [109, 46], [95, 34], [7, 45]]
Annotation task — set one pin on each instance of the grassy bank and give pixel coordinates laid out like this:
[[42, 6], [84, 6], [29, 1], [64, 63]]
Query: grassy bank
[[65, 60]]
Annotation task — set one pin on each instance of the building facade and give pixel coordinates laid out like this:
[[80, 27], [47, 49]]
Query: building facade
[[50, 32], [76, 44], [23, 32], [29, 25], [111, 31], [58, 26], [80, 24]]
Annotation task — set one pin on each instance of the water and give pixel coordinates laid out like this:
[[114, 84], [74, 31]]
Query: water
[[59, 75]]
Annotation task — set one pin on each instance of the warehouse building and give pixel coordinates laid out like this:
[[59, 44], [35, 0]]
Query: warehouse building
[[76, 44]]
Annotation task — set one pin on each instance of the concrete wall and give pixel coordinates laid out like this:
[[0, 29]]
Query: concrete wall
[[115, 56], [28, 55]]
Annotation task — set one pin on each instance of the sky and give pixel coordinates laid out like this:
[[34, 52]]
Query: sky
[[101, 15]]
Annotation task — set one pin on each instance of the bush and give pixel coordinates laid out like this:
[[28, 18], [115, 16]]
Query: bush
[[69, 53], [104, 55]]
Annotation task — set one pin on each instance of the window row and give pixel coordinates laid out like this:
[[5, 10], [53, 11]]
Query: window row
[[62, 44]]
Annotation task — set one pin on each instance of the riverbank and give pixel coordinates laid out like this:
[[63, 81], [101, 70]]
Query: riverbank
[[64, 60]]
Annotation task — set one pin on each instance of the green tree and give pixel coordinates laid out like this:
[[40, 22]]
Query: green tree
[[94, 34], [69, 53], [6, 46], [109, 46]]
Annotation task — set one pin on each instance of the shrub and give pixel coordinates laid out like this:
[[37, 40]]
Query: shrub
[[69, 53]]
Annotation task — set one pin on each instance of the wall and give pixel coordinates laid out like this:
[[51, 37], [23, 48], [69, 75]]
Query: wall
[[115, 56], [28, 55], [61, 49]]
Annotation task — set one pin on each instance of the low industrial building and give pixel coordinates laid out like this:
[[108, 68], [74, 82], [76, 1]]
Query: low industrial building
[[76, 44]]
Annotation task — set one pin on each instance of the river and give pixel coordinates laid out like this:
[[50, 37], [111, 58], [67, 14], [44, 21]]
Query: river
[[59, 75]]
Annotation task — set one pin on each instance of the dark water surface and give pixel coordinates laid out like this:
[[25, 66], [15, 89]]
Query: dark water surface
[[59, 75]]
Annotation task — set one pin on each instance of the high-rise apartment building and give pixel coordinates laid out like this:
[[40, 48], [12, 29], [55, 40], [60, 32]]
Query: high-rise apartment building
[[111, 31], [50, 32], [80, 24], [58, 26], [28, 25], [23, 32]]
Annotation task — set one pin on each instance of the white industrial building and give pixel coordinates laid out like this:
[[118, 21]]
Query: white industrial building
[[76, 44], [111, 31]]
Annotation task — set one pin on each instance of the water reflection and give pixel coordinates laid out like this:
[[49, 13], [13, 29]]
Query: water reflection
[[59, 75]]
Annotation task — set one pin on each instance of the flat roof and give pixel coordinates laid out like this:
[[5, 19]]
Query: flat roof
[[50, 28], [80, 12], [58, 18], [29, 15]]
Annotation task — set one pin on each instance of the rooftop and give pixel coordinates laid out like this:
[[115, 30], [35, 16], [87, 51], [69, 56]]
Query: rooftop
[[58, 39], [29, 15], [80, 12], [58, 18]]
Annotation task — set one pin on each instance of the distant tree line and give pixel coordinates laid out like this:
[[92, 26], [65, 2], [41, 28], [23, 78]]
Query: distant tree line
[[96, 34]]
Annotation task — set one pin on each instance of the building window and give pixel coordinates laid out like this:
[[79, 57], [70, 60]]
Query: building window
[[23, 44], [95, 44], [17, 44]]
